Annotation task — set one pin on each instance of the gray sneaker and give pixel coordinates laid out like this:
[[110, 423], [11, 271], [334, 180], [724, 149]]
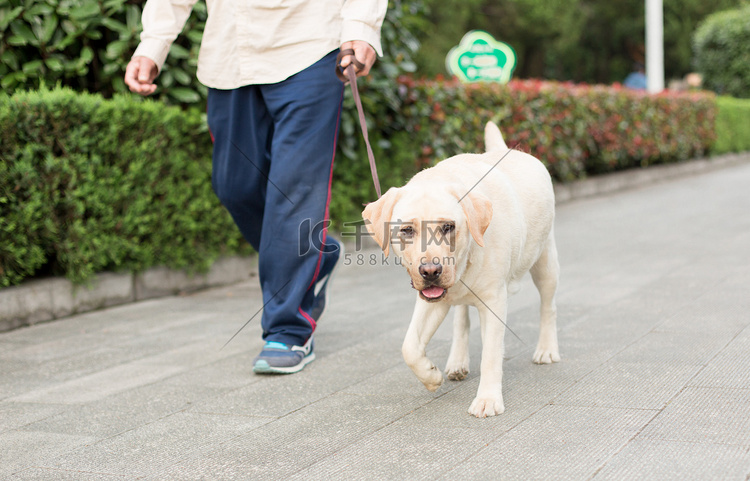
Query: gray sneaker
[[280, 358]]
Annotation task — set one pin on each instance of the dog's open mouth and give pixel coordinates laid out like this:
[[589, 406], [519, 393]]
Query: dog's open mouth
[[433, 293]]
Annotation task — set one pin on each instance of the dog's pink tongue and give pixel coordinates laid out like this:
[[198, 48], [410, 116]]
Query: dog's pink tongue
[[433, 292]]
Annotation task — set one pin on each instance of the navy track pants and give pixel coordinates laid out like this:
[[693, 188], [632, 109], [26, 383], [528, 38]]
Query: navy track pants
[[273, 153]]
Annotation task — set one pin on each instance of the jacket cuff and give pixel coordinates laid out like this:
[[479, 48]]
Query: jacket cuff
[[355, 30], [155, 49]]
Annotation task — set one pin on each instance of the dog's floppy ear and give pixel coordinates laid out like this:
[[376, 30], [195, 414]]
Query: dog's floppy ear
[[478, 211], [493, 139], [377, 216]]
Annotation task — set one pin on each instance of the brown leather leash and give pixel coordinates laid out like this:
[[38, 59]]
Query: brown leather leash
[[350, 75]]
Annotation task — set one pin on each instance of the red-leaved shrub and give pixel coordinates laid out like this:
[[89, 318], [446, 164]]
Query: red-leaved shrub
[[574, 129]]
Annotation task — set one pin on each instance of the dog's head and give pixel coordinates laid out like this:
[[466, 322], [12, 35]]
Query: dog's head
[[431, 230]]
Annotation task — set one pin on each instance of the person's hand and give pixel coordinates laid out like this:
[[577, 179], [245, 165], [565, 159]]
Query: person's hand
[[140, 74], [364, 52]]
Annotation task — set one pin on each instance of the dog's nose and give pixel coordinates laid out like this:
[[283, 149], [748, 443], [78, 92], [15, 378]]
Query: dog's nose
[[430, 272]]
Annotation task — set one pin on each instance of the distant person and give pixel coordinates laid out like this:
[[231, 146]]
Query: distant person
[[636, 79]]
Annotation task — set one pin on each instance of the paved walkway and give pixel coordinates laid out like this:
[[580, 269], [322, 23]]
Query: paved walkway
[[654, 382]]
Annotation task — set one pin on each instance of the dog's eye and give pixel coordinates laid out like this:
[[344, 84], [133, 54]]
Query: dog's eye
[[407, 231], [448, 227]]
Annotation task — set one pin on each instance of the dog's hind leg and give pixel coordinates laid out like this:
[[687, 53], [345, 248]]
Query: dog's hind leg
[[545, 273], [457, 367]]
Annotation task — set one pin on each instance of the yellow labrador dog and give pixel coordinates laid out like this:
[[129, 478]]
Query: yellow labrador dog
[[467, 230]]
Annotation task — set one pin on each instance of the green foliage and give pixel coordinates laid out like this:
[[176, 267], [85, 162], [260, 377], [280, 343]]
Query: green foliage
[[732, 125], [86, 44], [380, 99], [630, 128], [722, 52], [592, 41], [88, 184], [447, 118], [681, 18], [382, 104], [573, 129], [25, 216], [576, 130]]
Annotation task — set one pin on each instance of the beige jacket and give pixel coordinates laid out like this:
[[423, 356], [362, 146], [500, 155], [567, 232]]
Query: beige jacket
[[261, 41]]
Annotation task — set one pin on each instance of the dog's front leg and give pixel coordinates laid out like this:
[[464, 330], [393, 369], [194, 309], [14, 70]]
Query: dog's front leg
[[424, 322], [489, 400]]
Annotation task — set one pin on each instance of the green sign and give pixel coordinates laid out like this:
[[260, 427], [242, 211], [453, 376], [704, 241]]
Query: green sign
[[481, 58]]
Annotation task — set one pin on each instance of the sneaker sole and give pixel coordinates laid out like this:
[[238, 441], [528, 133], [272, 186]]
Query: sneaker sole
[[262, 366]]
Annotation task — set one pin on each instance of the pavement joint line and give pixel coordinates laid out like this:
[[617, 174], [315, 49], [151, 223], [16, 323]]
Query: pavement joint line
[[665, 406], [625, 444], [705, 364], [704, 293], [635, 341], [374, 431], [277, 418], [514, 426], [341, 391]]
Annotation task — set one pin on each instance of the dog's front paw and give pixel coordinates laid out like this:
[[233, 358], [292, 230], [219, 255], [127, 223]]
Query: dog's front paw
[[484, 407], [546, 355], [433, 380], [457, 371]]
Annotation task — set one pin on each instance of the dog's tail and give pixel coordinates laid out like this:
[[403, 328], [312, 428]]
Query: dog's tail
[[493, 139]]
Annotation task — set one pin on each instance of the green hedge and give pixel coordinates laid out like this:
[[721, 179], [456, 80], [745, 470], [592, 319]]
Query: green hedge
[[88, 185], [576, 130], [721, 47], [732, 125]]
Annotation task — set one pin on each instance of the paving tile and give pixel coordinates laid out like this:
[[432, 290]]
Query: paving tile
[[649, 372], [706, 416], [125, 410], [54, 349], [730, 368], [634, 385], [153, 447], [558, 442], [99, 385], [659, 460], [721, 307], [15, 415], [48, 474], [21, 449], [331, 372], [399, 451], [279, 449], [19, 377]]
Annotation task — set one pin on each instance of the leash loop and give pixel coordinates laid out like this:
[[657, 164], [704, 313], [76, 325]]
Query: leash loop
[[350, 75]]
